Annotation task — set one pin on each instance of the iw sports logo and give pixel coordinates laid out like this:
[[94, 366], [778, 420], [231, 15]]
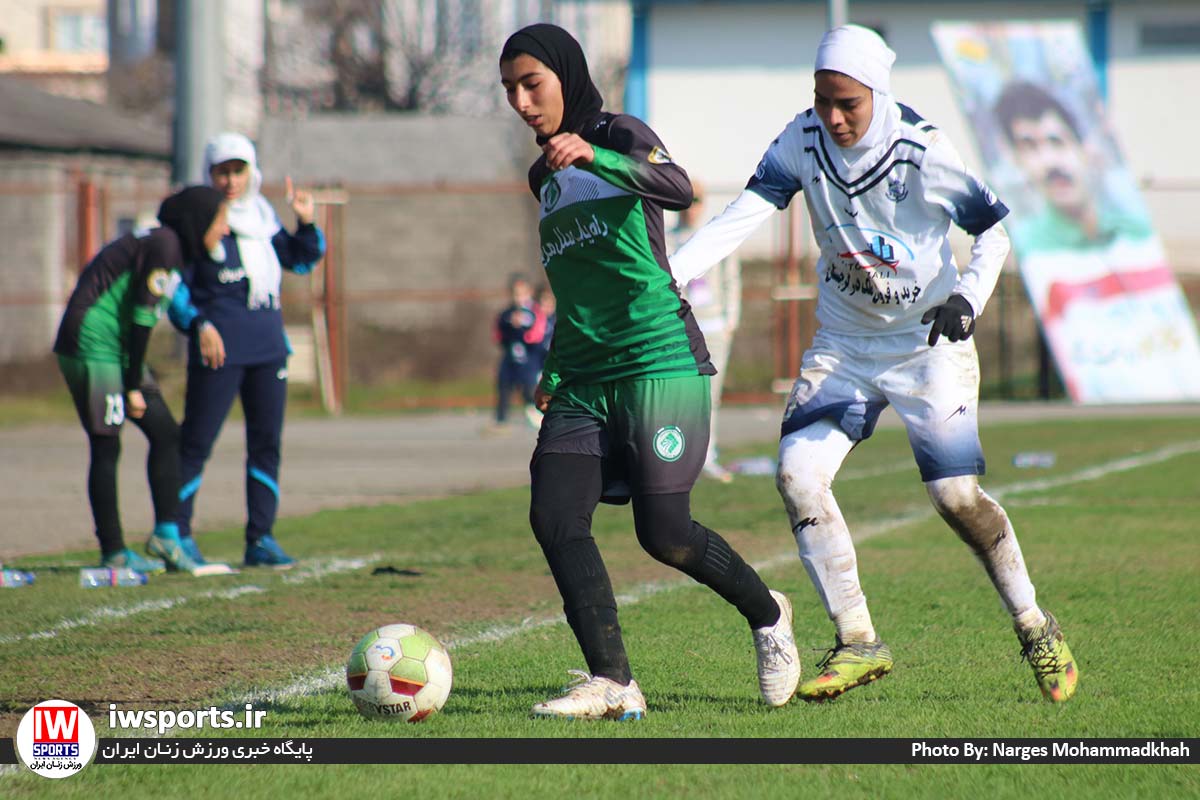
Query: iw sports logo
[[56, 739]]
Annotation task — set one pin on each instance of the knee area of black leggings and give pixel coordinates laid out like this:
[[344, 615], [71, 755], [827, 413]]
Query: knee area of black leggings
[[162, 430], [105, 448], [545, 520], [665, 530]]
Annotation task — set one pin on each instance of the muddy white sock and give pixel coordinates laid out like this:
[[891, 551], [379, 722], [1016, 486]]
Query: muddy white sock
[[854, 624]]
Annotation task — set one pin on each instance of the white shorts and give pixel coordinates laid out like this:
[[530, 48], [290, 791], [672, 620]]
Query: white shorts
[[935, 390]]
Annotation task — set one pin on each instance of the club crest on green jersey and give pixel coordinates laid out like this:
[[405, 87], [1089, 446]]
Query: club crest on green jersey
[[668, 443], [551, 195], [659, 156]]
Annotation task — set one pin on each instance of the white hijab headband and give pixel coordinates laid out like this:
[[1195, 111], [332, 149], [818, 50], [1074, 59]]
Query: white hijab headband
[[251, 218], [860, 53]]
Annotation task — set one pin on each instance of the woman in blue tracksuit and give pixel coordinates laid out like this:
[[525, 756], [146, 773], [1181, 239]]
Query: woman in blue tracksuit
[[237, 289]]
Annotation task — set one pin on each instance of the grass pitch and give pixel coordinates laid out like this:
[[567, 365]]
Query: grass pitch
[[1109, 534]]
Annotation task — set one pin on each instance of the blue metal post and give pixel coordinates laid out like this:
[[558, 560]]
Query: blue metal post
[[1098, 12], [636, 94]]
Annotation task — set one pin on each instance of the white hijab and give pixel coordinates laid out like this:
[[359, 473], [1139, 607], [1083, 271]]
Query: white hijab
[[252, 220], [863, 55]]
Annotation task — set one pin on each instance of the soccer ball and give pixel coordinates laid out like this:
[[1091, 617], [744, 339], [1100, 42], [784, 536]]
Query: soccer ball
[[399, 672]]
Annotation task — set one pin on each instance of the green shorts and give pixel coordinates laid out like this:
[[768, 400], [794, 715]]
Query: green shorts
[[651, 433], [98, 389]]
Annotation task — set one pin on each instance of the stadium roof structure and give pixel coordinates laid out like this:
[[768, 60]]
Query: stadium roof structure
[[37, 120]]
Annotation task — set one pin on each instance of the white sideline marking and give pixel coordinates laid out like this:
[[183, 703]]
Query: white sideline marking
[[331, 677], [311, 571], [1102, 470], [316, 570], [107, 613]]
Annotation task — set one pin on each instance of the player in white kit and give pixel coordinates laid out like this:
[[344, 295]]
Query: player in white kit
[[896, 317]]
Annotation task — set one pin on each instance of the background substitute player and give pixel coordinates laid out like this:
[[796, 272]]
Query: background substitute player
[[101, 348], [883, 186]]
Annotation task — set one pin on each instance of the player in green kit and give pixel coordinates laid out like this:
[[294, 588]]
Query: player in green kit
[[625, 388], [101, 348]]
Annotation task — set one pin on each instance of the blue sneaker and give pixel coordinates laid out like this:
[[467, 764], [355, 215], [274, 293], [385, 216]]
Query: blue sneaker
[[137, 563], [170, 549], [188, 543], [266, 552]]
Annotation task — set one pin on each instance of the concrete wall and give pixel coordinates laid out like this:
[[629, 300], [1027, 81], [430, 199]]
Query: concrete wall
[[438, 216], [33, 213], [39, 225], [427, 273]]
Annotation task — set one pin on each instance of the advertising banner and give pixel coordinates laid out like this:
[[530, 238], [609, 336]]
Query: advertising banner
[[1117, 323]]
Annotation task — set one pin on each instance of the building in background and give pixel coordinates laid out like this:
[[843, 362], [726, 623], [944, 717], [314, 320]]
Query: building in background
[[722, 78], [60, 46], [71, 175]]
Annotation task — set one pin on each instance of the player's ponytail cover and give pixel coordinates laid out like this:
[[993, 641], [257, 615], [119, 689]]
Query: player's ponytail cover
[[860, 53], [189, 213]]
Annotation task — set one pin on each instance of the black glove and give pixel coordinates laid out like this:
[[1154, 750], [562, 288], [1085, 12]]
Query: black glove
[[953, 318]]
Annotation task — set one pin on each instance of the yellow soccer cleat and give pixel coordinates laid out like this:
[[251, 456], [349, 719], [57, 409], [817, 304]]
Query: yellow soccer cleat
[[1053, 665], [847, 666]]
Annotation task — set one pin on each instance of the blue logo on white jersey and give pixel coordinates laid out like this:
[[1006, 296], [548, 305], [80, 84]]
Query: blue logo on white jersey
[[896, 190]]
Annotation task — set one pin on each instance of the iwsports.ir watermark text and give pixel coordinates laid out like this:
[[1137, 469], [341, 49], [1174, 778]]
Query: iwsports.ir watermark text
[[163, 721]]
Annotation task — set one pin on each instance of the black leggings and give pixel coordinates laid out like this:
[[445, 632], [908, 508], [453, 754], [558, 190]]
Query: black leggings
[[162, 470], [566, 489]]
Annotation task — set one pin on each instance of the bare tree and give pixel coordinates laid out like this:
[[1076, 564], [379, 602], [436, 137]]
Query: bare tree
[[417, 55], [357, 52], [420, 55]]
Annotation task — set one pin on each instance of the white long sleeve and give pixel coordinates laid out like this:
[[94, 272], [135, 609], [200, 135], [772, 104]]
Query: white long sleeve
[[720, 236], [978, 280]]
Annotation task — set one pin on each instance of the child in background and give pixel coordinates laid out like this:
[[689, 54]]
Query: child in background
[[519, 332]]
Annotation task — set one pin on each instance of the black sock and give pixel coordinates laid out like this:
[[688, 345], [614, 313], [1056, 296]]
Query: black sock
[[590, 608], [564, 493]]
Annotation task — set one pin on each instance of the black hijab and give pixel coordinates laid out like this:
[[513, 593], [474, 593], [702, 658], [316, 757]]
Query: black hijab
[[559, 51], [190, 213]]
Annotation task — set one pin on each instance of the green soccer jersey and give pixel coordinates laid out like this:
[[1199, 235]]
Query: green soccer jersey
[[620, 314], [127, 286]]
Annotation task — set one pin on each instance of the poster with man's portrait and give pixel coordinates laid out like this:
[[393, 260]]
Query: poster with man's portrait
[[1117, 324]]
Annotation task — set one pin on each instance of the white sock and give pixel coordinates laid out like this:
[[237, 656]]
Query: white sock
[[1029, 619], [808, 460], [854, 624], [1006, 567], [976, 517]]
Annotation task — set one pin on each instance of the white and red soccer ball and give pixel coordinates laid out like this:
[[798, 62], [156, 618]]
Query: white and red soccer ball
[[399, 672]]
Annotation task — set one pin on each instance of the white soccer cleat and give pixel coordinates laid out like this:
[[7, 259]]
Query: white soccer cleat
[[594, 697], [778, 659]]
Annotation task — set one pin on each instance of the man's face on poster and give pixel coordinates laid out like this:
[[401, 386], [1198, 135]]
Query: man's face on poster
[[1053, 159]]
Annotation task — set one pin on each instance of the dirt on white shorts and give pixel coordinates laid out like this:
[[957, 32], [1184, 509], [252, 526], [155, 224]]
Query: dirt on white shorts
[[935, 390]]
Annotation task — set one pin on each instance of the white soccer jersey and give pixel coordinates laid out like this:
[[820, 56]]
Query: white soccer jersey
[[881, 222]]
